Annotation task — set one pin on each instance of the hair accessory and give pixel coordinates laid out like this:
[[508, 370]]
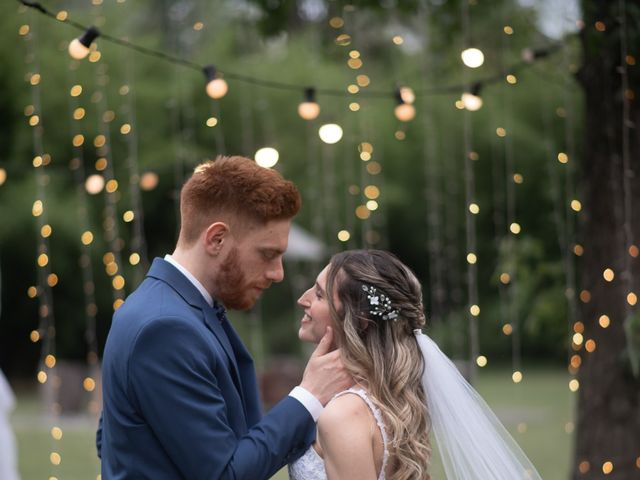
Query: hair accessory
[[380, 304]]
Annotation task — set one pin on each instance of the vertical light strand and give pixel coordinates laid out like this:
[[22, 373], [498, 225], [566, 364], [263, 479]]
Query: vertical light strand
[[138, 245], [345, 217], [356, 191], [455, 303], [47, 374], [315, 174], [218, 135], [472, 271], [570, 247], [327, 155], [627, 172], [103, 145], [433, 178], [358, 226], [561, 168], [368, 151], [181, 116], [85, 236], [499, 222], [255, 314], [500, 180], [546, 117], [514, 227], [376, 221]]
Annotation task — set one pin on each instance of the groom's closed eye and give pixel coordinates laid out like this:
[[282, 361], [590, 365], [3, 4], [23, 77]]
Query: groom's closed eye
[[271, 254]]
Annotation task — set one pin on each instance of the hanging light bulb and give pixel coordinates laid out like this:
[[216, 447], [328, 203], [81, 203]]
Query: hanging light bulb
[[216, 86], [94, 184], [403, 111], [79, 47], [267, 157], [407, 95], [309, 109], [330, 133], [472, 57], [472, 100]]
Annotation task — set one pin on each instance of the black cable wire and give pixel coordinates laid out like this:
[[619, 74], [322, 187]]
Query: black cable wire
[[457, 88]]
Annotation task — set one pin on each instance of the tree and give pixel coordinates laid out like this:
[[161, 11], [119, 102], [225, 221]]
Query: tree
[[608, 423]]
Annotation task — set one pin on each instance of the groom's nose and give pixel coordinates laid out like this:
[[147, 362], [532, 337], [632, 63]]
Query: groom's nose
[[276, 272]]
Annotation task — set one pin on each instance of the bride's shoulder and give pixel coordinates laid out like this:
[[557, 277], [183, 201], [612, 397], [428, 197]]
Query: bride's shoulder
[[346, 411]]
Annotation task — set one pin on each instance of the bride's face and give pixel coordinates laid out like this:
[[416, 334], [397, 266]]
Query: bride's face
[[316, 317]]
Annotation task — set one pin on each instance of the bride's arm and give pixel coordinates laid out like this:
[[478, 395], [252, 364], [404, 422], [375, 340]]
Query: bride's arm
[[345, 437]]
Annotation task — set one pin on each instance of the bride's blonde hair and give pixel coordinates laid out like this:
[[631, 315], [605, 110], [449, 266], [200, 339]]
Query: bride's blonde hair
[[383, 354]]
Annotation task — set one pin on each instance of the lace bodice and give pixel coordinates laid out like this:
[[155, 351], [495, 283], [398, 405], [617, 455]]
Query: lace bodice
[[311, 466]]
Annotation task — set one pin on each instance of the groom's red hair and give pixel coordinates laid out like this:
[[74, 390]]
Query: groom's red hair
[[234, 189]]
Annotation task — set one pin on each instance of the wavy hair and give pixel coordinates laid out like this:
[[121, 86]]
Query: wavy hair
[[384, 354]]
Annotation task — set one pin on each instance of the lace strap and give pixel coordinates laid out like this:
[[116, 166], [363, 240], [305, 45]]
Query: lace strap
[[378, 416]]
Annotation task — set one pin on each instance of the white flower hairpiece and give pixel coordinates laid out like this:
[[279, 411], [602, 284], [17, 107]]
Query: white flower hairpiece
[[380, 305]]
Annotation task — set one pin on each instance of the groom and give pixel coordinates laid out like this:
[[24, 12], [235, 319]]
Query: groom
[[180, 393]]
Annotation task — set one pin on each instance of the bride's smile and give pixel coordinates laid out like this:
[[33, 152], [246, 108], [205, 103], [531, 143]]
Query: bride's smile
[[317, 317]]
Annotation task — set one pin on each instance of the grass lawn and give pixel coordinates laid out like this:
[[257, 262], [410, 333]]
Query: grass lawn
[[535, 411]]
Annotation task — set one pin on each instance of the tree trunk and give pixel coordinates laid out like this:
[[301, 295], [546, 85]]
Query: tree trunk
[[608, 420]]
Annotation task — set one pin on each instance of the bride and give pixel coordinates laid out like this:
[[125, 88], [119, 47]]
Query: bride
[[405, 387]]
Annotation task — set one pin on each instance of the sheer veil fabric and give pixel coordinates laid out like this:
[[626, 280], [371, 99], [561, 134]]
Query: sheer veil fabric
[[473, 444]]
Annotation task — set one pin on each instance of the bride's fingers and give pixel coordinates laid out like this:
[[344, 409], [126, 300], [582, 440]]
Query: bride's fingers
[[324, 346]]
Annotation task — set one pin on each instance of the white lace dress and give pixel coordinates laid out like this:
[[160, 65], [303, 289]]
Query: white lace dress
[[311, 466]]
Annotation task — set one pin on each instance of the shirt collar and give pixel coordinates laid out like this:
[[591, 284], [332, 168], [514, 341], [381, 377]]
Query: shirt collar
[[203, 291]]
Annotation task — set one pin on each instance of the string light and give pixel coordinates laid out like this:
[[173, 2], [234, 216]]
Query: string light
[[267, 157], [471, 100], [407, 94], [344, 235], [79, 47], [404, 111], [608, 274], [216, 86], [336, 22], [472, 57], [604, 321], [94, 184], [309, 108], [330, 133]]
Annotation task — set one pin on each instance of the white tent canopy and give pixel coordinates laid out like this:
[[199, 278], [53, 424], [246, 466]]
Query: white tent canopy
[[304, 246]]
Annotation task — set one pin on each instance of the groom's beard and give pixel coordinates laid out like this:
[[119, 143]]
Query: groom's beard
[[232, 288]]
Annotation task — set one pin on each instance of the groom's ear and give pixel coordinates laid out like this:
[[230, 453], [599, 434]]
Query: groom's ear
[[215, 237]]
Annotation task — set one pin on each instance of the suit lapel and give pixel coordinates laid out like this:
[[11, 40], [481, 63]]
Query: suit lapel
[[163, 270], [251, 400]]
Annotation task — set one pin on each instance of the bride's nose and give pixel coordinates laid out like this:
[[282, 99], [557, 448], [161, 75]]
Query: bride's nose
[[303, 301]]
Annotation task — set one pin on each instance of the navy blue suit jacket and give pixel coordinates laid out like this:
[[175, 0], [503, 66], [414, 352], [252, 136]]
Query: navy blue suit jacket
[[180, 398]]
